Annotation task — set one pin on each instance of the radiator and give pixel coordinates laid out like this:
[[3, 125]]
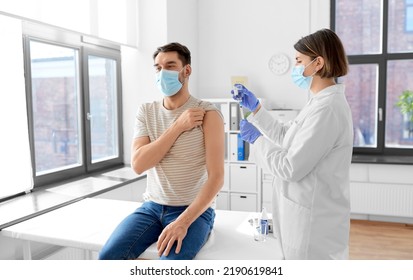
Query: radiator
[[66, 253], [382, 199]]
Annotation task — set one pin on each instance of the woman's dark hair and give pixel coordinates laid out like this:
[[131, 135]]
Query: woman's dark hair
[[327, 44], [183, 52]]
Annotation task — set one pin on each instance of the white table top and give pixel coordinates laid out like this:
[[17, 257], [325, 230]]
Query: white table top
[[42, 200], [88, 223]]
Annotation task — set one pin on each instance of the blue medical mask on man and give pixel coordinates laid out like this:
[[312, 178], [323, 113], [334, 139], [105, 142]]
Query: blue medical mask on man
[[168, 82], [297, 74]]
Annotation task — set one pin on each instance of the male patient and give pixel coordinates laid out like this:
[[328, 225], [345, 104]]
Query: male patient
[[179, 141]]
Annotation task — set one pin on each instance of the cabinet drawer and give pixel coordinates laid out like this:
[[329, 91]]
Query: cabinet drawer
[[244, 202], [222, 201], [243, 177]]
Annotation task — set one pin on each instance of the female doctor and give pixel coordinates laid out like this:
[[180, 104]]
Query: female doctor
[[310, 157]]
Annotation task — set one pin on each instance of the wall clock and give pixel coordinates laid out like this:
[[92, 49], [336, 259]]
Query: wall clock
[[279, 63]]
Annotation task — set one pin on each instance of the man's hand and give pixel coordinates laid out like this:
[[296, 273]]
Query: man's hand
[[190, 118], [174, 232]]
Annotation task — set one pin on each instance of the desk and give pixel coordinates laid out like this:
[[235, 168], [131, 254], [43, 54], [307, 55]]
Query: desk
[[87, 224]]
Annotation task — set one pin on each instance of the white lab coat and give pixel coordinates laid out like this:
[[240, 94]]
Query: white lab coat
[[310, 158]]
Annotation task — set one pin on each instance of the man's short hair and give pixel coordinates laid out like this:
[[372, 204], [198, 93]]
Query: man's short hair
[[183, 52]]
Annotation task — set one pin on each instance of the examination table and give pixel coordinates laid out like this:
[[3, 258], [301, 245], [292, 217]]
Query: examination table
[[87, 224]]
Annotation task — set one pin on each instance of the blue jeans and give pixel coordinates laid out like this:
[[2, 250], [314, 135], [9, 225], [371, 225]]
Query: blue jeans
[[142, 228]]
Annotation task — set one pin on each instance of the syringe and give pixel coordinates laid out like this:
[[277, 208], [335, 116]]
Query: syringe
[[239, 98]]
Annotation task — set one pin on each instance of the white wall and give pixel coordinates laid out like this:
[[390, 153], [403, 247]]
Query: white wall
[[182, 27], [238, 37]]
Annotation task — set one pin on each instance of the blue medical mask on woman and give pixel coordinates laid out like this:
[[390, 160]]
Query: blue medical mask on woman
[[297, 74], [168, 82]]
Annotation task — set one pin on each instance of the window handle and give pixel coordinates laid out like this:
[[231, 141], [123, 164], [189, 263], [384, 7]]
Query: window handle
[[380, 114], [88, 116]]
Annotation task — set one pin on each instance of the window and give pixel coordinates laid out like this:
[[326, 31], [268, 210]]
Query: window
[[378, 38], [409, 16], [102, 113], [56, 107], [74, 97]]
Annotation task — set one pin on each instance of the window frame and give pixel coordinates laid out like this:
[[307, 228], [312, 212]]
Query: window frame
[[368, 154], [118, 160], [85, 47]]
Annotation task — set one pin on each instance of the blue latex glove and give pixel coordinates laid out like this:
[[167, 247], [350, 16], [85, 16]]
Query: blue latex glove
[[246, 98], [249, 132]]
